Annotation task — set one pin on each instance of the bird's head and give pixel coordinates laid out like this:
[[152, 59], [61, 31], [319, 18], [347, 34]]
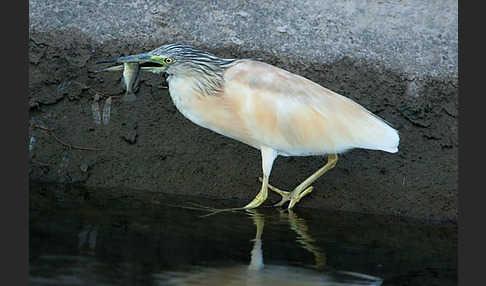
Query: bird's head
[[174, 59]]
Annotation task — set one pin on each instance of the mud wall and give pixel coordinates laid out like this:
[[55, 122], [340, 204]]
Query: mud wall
[[396, 58]]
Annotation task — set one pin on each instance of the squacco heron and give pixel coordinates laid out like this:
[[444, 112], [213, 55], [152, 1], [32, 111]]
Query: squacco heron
[[266, 107]]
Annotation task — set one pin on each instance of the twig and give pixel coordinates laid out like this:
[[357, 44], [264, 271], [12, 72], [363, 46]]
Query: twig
[[51, 132]]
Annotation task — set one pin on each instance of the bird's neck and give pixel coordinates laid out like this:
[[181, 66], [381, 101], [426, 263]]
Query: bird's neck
[[202, 83]]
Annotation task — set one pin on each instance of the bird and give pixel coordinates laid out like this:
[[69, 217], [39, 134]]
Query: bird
[[266, 107]]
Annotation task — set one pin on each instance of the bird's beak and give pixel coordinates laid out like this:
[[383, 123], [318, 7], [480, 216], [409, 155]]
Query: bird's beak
[[147, 62]]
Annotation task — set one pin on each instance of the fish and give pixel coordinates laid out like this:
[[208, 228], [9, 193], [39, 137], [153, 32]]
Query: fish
[[130, 79]]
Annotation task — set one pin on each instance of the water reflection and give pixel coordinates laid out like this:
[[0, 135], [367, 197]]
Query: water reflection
[[258, 273], [99, 238]]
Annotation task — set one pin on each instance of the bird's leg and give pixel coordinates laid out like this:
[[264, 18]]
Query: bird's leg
[[260, 197], [268, 156], [303, 189]]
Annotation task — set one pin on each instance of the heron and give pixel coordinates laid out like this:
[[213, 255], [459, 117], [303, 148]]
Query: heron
[[273, 110]]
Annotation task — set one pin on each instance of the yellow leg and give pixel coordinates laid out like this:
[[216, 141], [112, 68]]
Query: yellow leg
[[303, 189], [268, 156], [260, 197]]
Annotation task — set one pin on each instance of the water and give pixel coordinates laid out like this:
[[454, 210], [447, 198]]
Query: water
[[84, 236]]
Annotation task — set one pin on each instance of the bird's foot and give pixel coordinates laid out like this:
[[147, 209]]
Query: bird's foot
[[294, 196]]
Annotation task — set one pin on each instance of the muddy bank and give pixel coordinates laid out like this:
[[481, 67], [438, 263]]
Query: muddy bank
[[148, 145]]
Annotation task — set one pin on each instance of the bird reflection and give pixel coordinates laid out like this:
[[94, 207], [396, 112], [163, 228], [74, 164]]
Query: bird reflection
[[256, 261], [258, 273], [300, 227], [297, 224]]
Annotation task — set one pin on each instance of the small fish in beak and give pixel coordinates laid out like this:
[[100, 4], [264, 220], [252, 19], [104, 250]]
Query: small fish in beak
[[132, 65], [130, 79]]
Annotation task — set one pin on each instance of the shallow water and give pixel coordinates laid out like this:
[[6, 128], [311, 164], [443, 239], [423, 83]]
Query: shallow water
[[82, 236]]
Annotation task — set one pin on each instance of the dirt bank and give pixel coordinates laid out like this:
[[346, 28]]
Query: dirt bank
[[148, 145]]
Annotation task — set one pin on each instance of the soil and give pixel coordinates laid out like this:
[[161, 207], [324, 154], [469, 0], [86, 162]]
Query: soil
[[147, 145]]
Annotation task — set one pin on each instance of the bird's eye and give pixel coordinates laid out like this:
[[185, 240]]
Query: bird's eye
[[168, 60]]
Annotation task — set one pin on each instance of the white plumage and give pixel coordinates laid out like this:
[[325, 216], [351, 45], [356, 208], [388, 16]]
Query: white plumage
[[263, 105]]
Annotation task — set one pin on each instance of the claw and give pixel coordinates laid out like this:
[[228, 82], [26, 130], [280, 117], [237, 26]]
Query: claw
[[294, 197], [295, 200]]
